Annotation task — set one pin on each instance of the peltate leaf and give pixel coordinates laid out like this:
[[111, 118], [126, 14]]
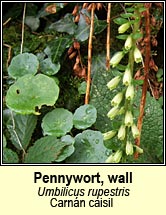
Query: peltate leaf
[[49, 149], [65, 24], [57, 122], [9, 156], [30, 92], [33, 22], [23, 64], [49, 68], [56, 48], [21, 128], [84, 116], [89, 148]]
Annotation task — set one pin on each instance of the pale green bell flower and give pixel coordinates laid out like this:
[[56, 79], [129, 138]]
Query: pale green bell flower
[[123, 27], [122, 132], [129, 148], [117, 99], [127, 76], [113, 83], [135, 131], [113, 112], [130, 92], [128, 119], [115, 60], [137, 55], [108, 135]]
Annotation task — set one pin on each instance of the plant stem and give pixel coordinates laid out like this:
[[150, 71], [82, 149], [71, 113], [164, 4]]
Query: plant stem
[[23, 20], [90, 55], [108, 38], [146, 73]]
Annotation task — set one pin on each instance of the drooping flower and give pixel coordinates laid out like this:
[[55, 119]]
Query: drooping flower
[[113, 112], [114, 158], [137, 55], [128, 119], [128, 43], [117, 57], [130, 92], [117, 156], [110, 159], [135, 131], [117, 99], [127, 76], [121, 132], [129, 148], [108, 135], [123, 27], [113, 83], [138, 149]]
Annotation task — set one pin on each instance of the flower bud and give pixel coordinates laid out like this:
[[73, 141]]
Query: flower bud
[[137, 55], [108, 135], [130, 92], [117, 156], [123, 27], [113, 83], [128, 43], [139, 150], [113, 112], [121, 132], [117, 99], [129, 148], [128, 119], [135, 131], [116, 58], [127, 76], [110, 159]]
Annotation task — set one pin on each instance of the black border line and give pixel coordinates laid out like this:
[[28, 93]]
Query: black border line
[[81, 164]]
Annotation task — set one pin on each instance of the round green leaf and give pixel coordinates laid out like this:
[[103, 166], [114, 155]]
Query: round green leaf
[[49, 68], [31, 92], [33, 22], [84, 116], [57, 122], [89, 148], [23, 64]]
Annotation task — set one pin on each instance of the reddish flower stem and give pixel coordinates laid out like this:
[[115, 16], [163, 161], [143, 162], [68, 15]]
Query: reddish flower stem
[[108, 38], [146, 74], [90, 55]]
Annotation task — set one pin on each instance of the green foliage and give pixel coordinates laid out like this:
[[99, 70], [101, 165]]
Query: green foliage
[[10, 156], [84, 116], [21, 128], [49, 149], [23, 64], [89, 148], [57, 122], [152, 130], [49, 68], [46, 121], [30, 92], [65, 24]]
